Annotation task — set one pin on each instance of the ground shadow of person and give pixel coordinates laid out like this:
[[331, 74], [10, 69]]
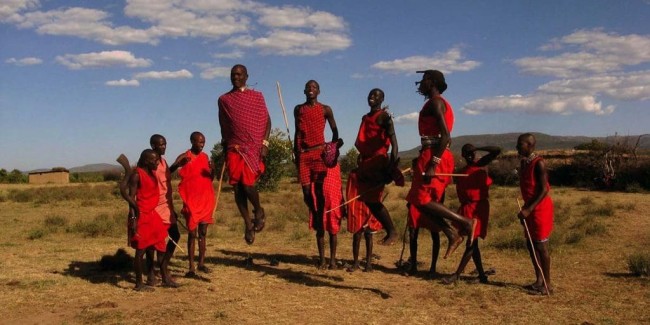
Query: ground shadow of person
[[111, 269], [269, 263]]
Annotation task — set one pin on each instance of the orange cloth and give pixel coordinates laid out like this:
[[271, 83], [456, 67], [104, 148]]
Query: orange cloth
[[333, 192], [359, 215], [163, 176], [150, 232], [196, 190]]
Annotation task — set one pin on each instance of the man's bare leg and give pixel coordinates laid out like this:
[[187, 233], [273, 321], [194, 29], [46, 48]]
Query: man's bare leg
[[413, 251], [151, 268], [137, 266], [241, 199], [369, 243], [333, 244], [175, 235], [356, 243], [437, 212], [435, 252], [380, 213], [203, 231], [320, 242], [191, 240]]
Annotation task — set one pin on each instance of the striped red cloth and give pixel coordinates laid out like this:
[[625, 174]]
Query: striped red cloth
[[243, 117], [333, 192], [196, 190], [310, 126], [359, 216]]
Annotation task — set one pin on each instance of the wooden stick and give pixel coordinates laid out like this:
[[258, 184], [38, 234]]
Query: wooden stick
[[439, 174], [124, 162], [532, 247], [286, 121], [358, 196], [216, 203], [179, 247]]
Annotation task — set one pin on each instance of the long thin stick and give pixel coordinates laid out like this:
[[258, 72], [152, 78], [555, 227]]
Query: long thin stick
[[532, 248], [358, 196], [124, 161], [216, 203], [171, 240], [286, 121]]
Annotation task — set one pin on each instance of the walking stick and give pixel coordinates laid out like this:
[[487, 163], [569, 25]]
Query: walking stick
[[401, 255], [124, 162], [532, 248], [286, 122], [216, 203]]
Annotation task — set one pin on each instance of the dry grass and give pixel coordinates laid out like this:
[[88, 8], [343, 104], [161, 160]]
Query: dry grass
[[50, 258]]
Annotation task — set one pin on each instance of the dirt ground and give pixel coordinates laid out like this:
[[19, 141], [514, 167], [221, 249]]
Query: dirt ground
[[57, 279]]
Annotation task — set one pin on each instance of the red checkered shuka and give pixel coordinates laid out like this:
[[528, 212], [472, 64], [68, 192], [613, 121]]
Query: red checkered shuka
[[333, 192], [243, 116], [311, 126]]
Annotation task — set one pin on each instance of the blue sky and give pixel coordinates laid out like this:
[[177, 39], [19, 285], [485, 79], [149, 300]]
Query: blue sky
[[83, 81]]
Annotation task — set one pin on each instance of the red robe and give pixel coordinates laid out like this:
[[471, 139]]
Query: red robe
[[473, 196], [151, 232], [243, 117], [196, 190], [310, 133], [162, 176], [372, 143], [422, 193], [359, 216], [540, 221], [333, 193]]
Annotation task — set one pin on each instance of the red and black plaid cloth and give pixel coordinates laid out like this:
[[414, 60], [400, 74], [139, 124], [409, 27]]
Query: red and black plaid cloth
[[243, 116]]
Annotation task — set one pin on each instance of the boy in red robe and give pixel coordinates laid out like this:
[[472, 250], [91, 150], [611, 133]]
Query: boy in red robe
[[537, 211], [309, 142], [376, 135], [149, 232], [197, 194], [473, 195]]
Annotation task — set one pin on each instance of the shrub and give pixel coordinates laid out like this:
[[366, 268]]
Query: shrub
[[349, 161], [639, 264], [36, 233], [54, 221], [101, 225]]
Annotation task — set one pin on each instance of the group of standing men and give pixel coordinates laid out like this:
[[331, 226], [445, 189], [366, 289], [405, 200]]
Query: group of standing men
[[245, 128]]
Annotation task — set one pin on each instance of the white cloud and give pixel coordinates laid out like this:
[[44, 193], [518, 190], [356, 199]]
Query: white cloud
[[102, 59], [88, 24], [24, 61], [249, 24], [300, 17], [236, 54], [211, 72], [447, 62], [180, 74], [407, 118], [288, 42], [538, 103], [123, 83], [590, 51], [590, 74], [10, 10]]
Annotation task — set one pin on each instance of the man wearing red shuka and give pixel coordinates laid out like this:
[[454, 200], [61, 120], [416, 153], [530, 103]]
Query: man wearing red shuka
[[435, 123], [245, 128], [310, 118]]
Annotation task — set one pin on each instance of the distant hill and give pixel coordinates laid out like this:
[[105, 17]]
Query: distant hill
[[508, 141], [93, 168]]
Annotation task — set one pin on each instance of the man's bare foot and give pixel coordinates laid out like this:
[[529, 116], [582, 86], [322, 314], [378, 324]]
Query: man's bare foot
[[453, 244], [169, 283], [151, 282], [144, 288], [249, 235], [191, 274], [433, 275], [534, 286], [451, 279], [333, 266], [260, 219], [368, 267], [541, 291], [355, 266], [389, 240], [321, 264], [483, 279], [204, 269]]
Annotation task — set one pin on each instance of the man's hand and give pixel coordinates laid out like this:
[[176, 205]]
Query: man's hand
[[524, 213], [181, 161], [264, 151]]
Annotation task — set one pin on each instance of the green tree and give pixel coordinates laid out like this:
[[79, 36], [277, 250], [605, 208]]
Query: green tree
[[16, 176], [349, 161]]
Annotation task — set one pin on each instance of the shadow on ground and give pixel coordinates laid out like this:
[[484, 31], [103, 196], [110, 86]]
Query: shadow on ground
[[111, 269]]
